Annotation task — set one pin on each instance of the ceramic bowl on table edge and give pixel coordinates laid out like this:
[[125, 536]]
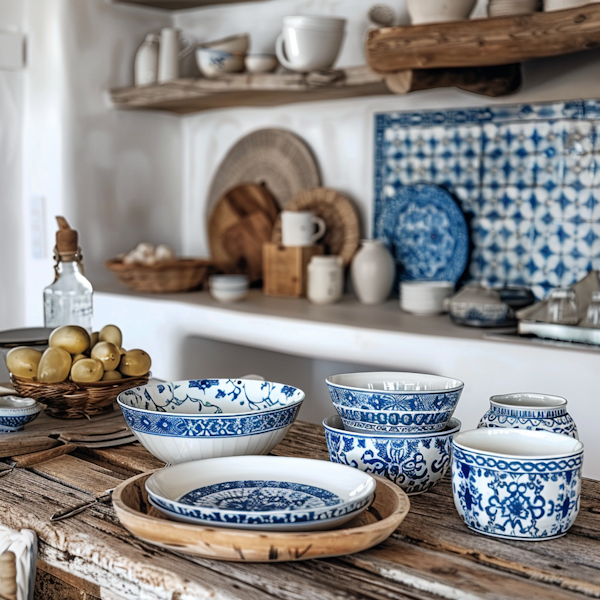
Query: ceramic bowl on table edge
[[415, 462], [228, 288], [517, 483], [392, 421], [16, 412], [207, 418], [525, 410], [391, 390], [425, 297], [213, 63], [284, 491]]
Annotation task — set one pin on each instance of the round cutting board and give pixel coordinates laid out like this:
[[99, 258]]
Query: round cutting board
[[276, 157], [240, 223], [340, 216]]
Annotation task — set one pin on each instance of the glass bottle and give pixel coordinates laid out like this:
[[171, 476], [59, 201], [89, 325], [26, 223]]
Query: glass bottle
[[562, 307], [68, 300], [592, 317]]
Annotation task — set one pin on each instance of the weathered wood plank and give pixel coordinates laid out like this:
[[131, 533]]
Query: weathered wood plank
[[55, 584], [177, 4], [133, 458], [484, 42]]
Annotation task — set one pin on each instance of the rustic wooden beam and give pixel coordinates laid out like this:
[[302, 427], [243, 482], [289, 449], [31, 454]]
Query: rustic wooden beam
[[484, 42], [177, 4]]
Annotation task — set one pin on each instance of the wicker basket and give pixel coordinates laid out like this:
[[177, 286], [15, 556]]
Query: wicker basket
[[70, 400], [179, 275]]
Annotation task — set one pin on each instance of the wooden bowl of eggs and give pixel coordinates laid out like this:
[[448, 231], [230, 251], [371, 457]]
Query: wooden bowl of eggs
[[156, 269]]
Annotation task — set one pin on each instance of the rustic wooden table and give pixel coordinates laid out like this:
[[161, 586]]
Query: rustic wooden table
[[431, 555]]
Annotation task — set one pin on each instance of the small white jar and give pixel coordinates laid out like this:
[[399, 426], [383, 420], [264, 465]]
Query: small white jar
[[325, 279]]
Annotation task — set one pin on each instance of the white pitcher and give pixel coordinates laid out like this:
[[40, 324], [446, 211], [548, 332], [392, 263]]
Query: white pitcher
[[171, 53]]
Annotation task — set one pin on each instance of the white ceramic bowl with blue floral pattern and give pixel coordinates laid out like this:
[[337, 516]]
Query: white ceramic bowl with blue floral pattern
[[271, 493], [16, 412], [539, 412], [415, 462], [207, 418], [517, 483], [394, 402]]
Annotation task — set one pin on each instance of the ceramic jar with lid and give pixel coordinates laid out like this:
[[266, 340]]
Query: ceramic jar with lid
[[325, 279], [373, 271], [530, 411]]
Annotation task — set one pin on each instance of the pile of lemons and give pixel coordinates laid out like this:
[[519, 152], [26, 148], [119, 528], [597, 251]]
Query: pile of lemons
[[74, 355]]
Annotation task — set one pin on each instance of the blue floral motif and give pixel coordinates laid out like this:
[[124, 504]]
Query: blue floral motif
[[392, 421], [520, 499]]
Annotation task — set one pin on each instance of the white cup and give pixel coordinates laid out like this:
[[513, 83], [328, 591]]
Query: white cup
[[298, 228], [309, 43]]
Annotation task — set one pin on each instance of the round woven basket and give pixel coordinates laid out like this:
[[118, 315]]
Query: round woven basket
[[179, 275], [70, 400]]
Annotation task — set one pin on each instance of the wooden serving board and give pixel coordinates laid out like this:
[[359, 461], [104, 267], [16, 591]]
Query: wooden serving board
[[373, 526]]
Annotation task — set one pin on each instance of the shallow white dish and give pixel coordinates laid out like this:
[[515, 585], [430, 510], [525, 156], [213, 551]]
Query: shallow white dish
[[260, 63], [206, 418], [16, 412], [282, 491]]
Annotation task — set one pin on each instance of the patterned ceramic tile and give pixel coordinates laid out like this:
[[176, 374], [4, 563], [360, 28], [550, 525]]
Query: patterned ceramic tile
[[526, 177]]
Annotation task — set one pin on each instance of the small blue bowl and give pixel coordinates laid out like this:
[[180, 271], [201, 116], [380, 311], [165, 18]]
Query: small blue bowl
[[415, 461], [16, 412]]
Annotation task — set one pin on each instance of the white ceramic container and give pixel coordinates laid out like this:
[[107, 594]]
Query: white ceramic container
[[234, 44], [516, 483], [16, 412], [207, 418], [425, 297], [260, 63], [298, 228], [309, 43], [325, 279], [434, 11], [539, 412], [213, 63], [145, 70], [373, 271], [272, 493], [228, 288], [170, 53], [414, 461]]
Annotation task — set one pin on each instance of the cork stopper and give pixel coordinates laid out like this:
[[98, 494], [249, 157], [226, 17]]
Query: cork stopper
[[66, 238]]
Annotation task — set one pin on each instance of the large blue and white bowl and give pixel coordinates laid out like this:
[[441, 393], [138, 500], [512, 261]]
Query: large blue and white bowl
[[16, 412], [208, 418], [394, 402], [415, 462], [516, 483]]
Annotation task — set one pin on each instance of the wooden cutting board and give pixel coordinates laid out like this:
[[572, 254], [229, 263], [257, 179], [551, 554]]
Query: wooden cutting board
[[240, 223]]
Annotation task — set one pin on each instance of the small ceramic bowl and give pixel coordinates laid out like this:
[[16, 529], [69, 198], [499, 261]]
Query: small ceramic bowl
[[228, 288], [213, 63], [415, 461], [395, 391], [392, 421], [424, 297], [433, 11], [539, 412], [207, 418], [261, 63], [16, 412], [234, 43], [515, 483]]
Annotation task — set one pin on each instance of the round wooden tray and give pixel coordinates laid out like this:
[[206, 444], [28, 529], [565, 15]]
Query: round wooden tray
[[369, 529], [340, 216]]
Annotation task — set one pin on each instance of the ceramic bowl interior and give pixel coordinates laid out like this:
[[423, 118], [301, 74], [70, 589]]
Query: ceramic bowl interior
[[527, 401], [228, 282], [394, 382], [518, 443], [211, 397], [13, 405]]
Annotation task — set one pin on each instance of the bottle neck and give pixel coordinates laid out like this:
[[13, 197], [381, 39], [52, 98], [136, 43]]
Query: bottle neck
[[67, 264]]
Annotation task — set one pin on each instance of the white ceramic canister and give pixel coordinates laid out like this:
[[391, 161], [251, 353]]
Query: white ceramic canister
[[325, 279], [170, 53], [373, 271]]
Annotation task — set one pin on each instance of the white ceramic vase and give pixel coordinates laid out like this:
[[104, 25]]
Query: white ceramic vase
[[373, 271], [146, 61]]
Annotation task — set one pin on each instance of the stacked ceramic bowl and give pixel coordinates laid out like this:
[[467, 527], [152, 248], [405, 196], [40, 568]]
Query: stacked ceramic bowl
[[270, 493], [424, 297], [506, 8], [398, 425], [222, 56], [206, 418]]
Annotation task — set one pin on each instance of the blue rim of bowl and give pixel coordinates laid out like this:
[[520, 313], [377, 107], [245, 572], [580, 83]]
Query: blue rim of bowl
[[405, 392], [451, 428]]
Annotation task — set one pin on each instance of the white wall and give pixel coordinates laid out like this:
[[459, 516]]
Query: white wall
[[11, 121]]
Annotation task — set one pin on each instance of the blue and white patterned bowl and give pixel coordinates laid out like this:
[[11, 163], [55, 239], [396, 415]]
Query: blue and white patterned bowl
[[16, 412], [392, 421], [517, 483], [415, 462], [394, 402], [539, 412], [207, 418], [283, 494]]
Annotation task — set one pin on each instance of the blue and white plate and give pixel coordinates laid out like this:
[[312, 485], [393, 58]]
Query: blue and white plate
[[427, 233], [283, 494]]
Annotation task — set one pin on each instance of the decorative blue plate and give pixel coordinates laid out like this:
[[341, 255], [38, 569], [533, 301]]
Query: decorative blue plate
[[427, 233]]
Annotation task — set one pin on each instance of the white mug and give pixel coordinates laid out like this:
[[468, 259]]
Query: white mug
[[309, 43], [170, 53], [298, 228]]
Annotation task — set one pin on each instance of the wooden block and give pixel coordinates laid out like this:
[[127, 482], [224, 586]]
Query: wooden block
[[285, 269]]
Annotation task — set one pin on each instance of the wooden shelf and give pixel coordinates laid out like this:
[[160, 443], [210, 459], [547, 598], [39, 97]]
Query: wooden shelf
[[177, 4], [484, 42]]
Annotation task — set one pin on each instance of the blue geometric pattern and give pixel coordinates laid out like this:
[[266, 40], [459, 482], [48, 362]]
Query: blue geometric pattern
[[517, 499], [9, 424], [557, 420], [525, 176]]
